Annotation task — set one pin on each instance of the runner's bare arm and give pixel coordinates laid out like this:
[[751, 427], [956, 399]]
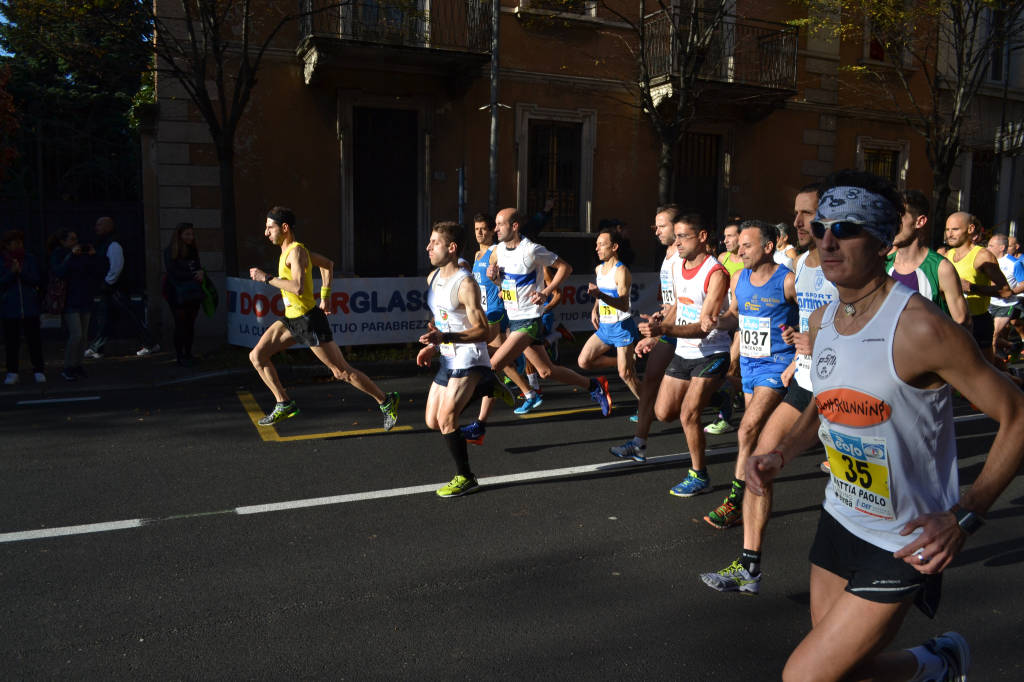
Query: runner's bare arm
[[731, 318], [928, 350], [710, 310], [949, 285], [562, 270], [986, 263], [556, 295]]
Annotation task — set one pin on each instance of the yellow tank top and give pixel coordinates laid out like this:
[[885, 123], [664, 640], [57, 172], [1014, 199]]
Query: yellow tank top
[[976, 304], [296, 306], [732, 263]]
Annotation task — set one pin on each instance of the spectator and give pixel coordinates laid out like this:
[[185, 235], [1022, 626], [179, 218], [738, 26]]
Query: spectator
[[183, 288], [785, 251], [19, 304], [82, 270], [111, 295]]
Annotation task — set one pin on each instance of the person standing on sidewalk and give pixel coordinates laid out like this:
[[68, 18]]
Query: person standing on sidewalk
[[183, 289], [112, 296], [304, 322], [20, 276], [81, 268]]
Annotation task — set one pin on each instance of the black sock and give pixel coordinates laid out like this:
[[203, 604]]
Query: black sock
[[703, 472], [460, 453], [738, 487], [751, 561]]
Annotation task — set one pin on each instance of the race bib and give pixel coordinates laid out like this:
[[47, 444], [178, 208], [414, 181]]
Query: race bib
[[755, 336], [687, 313], [667, 291], [803, 362], [443, 326], [606, 313], [509, 294], [860, 472]]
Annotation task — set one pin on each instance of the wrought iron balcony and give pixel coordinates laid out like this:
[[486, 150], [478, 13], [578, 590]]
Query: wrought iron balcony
[[437, 25], [743, 51]]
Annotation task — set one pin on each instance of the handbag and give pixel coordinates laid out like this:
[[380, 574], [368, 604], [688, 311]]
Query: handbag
[[210, 297], [56, 295]]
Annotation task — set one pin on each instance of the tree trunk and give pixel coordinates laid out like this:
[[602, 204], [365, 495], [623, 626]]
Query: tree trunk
[[226, 159], [940, 210], [666, 173]]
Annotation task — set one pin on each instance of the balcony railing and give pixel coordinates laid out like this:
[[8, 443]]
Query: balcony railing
[[744, 51], [455, 25]]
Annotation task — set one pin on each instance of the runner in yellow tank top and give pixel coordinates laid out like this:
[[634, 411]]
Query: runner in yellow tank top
[[980, 276], [731, 236], [304, 322]]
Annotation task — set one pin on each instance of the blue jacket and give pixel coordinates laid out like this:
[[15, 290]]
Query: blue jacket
[[19, 292], [83, 274]]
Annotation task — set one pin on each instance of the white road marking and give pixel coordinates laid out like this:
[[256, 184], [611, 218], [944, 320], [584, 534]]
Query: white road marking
[[85, 529], [48, 401]]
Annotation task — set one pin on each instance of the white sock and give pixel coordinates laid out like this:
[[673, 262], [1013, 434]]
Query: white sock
[[530, 395], [534, 381], [642, 442], [553, 337], [929, 665]]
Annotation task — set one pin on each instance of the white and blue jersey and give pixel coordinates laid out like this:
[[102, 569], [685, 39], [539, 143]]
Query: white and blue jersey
[[615, 327], [812, 292], [763, 310], [490, 294], [522, 273]]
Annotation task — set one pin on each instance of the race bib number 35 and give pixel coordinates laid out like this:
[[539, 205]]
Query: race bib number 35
[[860, 472], [755, 336]]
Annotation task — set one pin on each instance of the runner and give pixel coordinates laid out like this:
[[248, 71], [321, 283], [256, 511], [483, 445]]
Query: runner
[[699, 284], [893, 516], [517, 265], [812, 291], [1004, 310], [497, 321], [610, 316], [727, 394], [923, 270], [304, 322], [763, 303], [459, 334], [980, 276], [659, 350]]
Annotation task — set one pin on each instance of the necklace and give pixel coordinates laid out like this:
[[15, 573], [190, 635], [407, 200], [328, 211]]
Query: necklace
[[848, 308]]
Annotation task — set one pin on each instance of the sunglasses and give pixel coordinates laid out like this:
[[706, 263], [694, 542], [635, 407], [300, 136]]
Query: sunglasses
[[841, 229]]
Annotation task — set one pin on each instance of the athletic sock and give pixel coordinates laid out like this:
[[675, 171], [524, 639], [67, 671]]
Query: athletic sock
[[642, 442], [534, 381], [929, 666], [738, 488], [751, 561], [703, 473], [530, 395], [460, 453]]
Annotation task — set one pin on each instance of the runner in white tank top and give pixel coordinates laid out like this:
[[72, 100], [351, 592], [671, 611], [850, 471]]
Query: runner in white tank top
[[659, 350], [883, 363], [459, 335]]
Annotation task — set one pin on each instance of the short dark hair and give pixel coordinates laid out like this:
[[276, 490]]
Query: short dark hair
[[613, 234], [282, 215], [482, 218], [732, 220], [768, 231], [811, 187], [450, 230], [916, 203], [694, 219]]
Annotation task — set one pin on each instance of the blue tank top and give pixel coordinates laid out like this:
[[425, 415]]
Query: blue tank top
[[763, 310], [490, 294]]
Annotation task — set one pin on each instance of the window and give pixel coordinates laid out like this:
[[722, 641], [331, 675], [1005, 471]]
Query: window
[[885, 158], [998, 45], [556, 161]]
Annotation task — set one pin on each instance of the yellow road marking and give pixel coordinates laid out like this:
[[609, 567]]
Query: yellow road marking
[[269, 433], [557, 413]]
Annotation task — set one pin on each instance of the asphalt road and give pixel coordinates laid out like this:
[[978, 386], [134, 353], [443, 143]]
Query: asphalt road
[[320, 556]]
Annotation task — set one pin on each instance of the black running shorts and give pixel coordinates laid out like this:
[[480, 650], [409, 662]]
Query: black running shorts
[[311, 329]]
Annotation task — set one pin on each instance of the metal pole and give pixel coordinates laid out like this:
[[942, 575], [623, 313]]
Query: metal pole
[[492, 196]]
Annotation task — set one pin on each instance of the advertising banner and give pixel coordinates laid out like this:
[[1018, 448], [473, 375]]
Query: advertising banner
[[394, 309]]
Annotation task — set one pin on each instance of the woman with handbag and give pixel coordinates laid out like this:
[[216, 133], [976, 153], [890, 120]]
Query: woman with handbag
[[19, 304], [183, 288], [75, 275]]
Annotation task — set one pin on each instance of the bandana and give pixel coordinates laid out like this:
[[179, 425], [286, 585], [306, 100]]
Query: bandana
[[876, 213]]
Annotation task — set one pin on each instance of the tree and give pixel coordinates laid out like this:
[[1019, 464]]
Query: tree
[[933, 58], [221, 43], [672, 44]]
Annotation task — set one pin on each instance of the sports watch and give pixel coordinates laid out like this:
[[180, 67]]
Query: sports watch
[[967, 520]]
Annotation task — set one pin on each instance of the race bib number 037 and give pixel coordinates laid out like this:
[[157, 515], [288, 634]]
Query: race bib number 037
[[755, 336]]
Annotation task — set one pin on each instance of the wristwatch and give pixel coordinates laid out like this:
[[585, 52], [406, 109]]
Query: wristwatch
[[967, 520]]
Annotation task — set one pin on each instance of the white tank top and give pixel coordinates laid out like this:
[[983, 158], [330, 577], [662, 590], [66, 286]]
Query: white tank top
[[691, 288], [892, 447], [667, 278], [1006, 266], [609, 314], [450, 316], [812, 292]]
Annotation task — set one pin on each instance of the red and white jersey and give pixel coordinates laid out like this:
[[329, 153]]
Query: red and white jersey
[[691, 288]]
